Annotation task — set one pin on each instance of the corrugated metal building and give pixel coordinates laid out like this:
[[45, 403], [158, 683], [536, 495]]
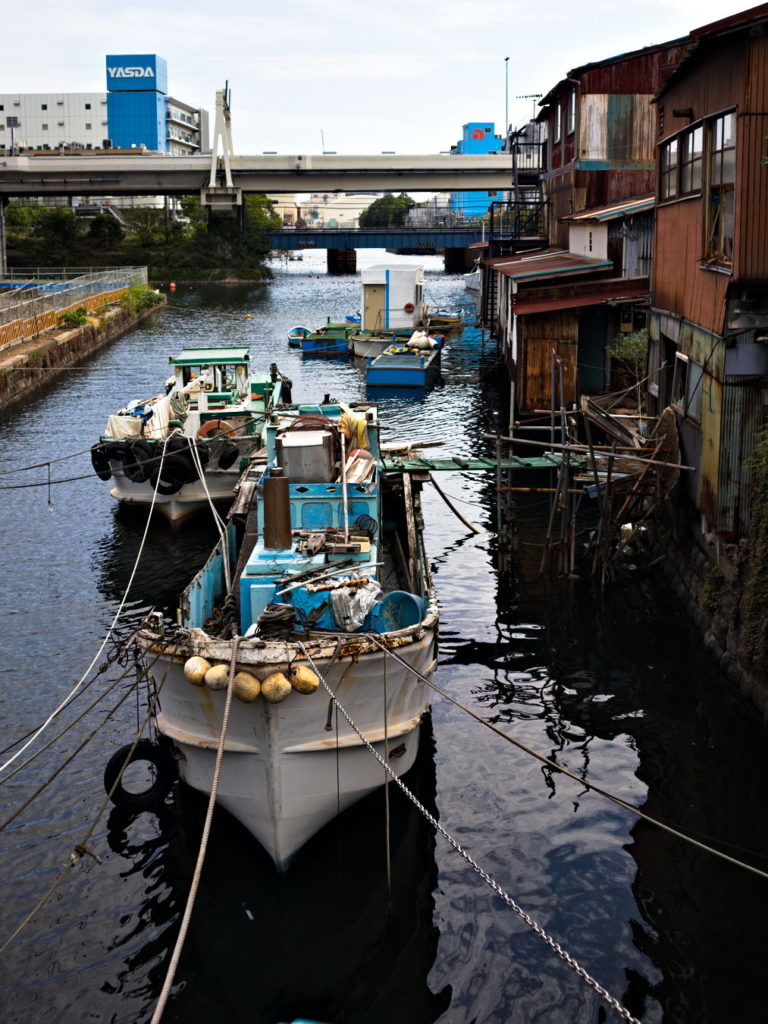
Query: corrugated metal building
[[709, 318]]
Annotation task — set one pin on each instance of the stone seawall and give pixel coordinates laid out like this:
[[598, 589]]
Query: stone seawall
[[709, 580], [33, 363]]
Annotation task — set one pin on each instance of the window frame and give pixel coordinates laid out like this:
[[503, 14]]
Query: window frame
[[719, 214]]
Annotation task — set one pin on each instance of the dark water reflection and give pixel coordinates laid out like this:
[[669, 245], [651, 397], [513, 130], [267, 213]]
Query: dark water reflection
[[615, 687]]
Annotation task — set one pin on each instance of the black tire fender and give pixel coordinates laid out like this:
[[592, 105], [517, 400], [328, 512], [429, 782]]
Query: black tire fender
[[165, 775], [138, 463], [229, 452], [100, 462], [176, 471]]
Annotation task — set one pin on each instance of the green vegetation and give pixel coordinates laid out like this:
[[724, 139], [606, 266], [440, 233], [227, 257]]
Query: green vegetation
[[630, 352], [712, 591], [74, 317], [200, 244], [387, 212], [755, 628], [140, 297]]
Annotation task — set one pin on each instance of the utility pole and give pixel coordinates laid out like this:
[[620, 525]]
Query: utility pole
[[506, 97]]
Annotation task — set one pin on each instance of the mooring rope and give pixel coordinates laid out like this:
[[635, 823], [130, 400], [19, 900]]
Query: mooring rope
[[167, 984], [522, 914], [104, 642], [565, 771]]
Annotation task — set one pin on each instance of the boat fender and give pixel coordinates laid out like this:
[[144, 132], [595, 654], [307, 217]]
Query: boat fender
[[263, 672], [409, 307], [138, 463], [303, 679], [100, 462], [229, 453], [246, 687], [116, 451], [195, 669], [216, 678], [177, 470], [275, 688], [214, 427], [164, 775]]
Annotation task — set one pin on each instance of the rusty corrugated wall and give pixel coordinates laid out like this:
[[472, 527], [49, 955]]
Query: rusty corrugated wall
[[739, 430]]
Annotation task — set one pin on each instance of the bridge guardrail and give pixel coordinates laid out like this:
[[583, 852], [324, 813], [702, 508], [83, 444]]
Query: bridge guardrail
[[53, 291]]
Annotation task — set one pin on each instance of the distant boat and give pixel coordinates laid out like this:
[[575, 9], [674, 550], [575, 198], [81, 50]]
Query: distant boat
[[322, 575], [296, 334], [401, 366], [445, 321], [472, 280], [330, 339], [353, 318]]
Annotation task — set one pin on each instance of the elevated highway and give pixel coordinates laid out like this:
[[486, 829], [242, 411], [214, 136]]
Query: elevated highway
[[105, 174]]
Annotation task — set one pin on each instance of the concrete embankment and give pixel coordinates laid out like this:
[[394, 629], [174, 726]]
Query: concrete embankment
[[711, 581], [26, 366]]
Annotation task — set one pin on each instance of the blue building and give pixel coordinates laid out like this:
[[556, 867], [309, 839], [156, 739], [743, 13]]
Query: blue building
[[477, 137], [136, 111]]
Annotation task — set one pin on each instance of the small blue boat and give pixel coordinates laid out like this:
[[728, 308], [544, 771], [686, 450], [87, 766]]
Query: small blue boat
[[402, 367], [330, 339], [296, 335]]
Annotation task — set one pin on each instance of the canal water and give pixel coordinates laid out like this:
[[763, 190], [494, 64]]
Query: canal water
[[615, 686]]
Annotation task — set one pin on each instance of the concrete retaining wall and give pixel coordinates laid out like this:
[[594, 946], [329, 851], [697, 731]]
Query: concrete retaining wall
[[35, 362], [708, 578]]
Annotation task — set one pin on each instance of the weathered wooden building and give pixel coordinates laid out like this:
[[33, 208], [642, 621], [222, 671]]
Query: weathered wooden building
[[709, 311], [601, 132]]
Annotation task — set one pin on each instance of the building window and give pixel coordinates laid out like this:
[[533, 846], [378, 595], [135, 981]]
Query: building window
[[571, 111], [88, 126], [668, 183], [687, 385], [43, 106], [2, 106], [692, 160], [87, 106], [557, 122], [45, 127], [61, 124], [59, 103], [722, 169]]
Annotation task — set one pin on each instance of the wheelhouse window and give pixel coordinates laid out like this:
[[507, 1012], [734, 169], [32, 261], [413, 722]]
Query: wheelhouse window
[[720, 212], [692, 160], [668, 183]]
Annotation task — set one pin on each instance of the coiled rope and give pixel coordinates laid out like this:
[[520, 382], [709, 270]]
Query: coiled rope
[[522, 914], [167, 984]]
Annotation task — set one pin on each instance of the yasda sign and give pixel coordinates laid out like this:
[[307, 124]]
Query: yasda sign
[[131, 72], [139, 72]]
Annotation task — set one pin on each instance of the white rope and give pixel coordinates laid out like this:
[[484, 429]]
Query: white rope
[[163, 999], [220, 524], [522, 914], [104, 642]]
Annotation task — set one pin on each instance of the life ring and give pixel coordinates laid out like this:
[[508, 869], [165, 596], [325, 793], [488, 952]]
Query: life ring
[[100, 462], [409, 307], [215, 427], [165, 775]]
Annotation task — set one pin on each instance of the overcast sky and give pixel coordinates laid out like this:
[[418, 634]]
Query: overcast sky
[[401, 75]]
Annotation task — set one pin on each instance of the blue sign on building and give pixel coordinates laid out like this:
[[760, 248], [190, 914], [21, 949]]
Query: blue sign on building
[[136, 100], [477, 137], [137, 72]]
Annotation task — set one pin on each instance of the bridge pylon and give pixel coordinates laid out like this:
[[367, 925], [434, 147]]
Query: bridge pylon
[[218, 195]]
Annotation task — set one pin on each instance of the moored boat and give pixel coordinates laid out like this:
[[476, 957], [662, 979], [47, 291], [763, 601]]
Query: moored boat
[[321, 578], [296, 335], [330, 339], [443, 320], [403, 366], [187, 447]]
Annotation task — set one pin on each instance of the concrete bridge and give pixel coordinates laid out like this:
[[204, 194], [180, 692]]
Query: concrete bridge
[[102, 173]]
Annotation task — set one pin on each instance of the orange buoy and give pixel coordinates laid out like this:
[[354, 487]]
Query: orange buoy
[[172, 286]]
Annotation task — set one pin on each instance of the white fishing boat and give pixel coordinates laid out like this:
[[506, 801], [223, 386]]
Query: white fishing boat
[[321, 580], [188, 446], [472, 280]]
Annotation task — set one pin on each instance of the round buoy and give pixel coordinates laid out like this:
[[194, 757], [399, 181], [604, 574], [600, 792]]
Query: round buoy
[[409, 307], [195, 670], [275, 688], [303, 679], [164, 768], [172, 286]]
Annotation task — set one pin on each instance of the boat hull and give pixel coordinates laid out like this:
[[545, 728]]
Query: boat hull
[[290, 768], [404, 370]]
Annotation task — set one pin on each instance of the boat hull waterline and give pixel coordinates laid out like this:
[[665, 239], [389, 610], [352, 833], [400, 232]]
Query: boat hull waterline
[[289, 768]]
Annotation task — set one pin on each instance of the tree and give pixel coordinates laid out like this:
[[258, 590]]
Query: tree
[[387, 212], [105, 229]]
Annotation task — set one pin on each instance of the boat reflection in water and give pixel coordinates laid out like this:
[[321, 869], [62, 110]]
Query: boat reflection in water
[[327, 940]]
